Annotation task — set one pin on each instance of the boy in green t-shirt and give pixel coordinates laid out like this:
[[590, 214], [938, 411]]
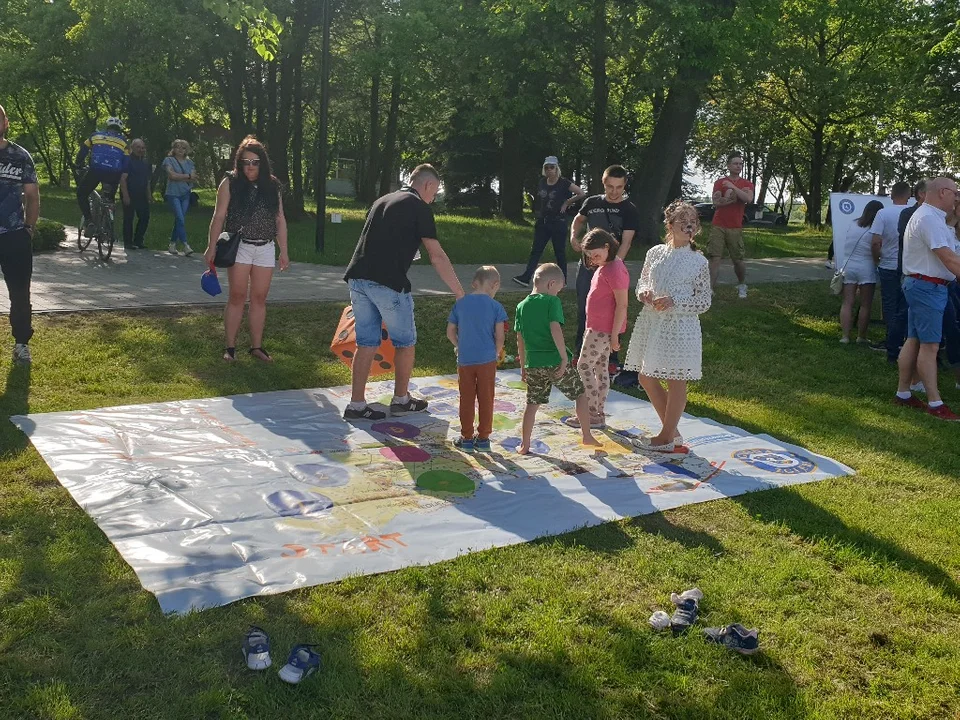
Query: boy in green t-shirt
[[543, 355]]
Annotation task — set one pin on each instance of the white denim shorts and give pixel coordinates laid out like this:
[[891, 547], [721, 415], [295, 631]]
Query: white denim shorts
[[259, 255]]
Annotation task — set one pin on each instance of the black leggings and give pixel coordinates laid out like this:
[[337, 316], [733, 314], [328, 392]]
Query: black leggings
[[88, 183]]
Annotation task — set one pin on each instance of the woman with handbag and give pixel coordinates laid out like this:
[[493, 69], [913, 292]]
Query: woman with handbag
[[250, 211], [181, 177], [859, 273]]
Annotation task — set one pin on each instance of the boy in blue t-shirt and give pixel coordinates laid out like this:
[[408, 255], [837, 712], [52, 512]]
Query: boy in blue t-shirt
[[475, 327]]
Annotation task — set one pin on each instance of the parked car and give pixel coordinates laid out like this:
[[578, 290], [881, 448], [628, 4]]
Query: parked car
[[755, 214], [705, 210]]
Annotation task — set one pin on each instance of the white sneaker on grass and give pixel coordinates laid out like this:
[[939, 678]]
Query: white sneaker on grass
[[742, 292], [918, 388], [21, 354], [172, 248]]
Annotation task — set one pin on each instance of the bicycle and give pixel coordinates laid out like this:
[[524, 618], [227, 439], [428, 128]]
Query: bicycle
[[102, 214]]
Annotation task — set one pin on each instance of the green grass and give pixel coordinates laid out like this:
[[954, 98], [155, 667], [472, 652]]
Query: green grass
[[852, 582], [466, 239]]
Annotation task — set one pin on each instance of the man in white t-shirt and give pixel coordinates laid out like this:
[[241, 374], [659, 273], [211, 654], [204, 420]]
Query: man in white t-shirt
[[931, 259], [886, 254]]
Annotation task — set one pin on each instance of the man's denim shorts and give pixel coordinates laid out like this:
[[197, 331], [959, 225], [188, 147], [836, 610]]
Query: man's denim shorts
[[374, 305], [926, 302]]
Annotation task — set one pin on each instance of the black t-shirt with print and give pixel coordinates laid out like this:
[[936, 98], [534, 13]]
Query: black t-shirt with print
[[391, 236], [16, 170], [551, 197], [612, 217]]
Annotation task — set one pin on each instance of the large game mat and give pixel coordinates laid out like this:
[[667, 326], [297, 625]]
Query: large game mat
[[214, 500]]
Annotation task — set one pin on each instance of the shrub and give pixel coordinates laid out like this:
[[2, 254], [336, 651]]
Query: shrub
[[48, 235]]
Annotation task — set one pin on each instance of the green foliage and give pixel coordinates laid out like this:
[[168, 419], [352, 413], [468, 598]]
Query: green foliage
[[47, 235]]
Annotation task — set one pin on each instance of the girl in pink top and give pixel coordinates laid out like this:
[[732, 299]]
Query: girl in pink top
[[606, 318]]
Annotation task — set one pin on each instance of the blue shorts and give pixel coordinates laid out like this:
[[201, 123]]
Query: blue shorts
[[375, 305], [926, 302]]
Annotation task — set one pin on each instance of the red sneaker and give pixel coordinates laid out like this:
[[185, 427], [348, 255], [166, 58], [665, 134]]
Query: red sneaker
[[909, 402], [943, 413]]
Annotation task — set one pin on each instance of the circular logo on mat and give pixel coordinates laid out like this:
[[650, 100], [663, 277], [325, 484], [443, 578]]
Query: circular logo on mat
[[780, 462], [846, 207]]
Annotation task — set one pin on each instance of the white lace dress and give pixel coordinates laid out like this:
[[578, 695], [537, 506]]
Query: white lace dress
[[667, 344]]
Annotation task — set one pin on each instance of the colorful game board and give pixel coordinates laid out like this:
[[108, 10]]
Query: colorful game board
[[211, 501]]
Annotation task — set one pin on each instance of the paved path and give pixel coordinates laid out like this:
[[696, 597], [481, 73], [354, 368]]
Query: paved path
[[66, 280]]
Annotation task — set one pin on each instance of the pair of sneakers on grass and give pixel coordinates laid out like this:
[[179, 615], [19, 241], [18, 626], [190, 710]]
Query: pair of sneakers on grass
[[302, 662], [734, 637]]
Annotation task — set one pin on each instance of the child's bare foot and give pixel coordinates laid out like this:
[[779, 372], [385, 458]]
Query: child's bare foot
[[590, 440], [524, 449]]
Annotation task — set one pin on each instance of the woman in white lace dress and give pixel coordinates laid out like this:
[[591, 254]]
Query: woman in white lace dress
[[674, 287]]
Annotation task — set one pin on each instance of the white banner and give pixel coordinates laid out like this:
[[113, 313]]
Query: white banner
[[214, 500], [846, 208]]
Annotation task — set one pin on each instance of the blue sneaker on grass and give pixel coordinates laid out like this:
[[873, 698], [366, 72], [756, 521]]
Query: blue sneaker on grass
[[735, 637], [256, 649], [302, 663]]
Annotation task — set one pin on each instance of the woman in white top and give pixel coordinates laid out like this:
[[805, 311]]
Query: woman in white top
[[666, 344], [859, 273]]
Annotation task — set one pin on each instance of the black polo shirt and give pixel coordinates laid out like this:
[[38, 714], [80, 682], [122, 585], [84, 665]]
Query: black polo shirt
[[391, 236]]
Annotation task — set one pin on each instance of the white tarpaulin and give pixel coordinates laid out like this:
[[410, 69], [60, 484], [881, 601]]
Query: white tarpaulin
[[215, 500]]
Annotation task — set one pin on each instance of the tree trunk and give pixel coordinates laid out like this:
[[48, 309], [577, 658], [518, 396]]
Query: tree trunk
[[369, 185], [387, 162], [296, 144], [665, 153], [511, 175], [598, 71], [765, 178], [676, 184], [815, 203], [280, 137]]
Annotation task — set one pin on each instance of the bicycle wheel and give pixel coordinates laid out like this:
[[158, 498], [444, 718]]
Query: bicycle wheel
[[105, 236], [82, 242]]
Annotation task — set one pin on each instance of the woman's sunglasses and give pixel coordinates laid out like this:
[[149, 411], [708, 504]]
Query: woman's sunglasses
[[250, 163]]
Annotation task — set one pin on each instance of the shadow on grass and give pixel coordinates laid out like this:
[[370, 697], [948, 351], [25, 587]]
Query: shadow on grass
[[15, 400], [814, 524]]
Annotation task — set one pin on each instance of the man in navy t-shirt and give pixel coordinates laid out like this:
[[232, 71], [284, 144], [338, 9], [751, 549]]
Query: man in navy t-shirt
[[19, 210]]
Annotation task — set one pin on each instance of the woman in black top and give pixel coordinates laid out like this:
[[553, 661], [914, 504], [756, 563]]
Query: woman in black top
[[554, 195], [248, 200]]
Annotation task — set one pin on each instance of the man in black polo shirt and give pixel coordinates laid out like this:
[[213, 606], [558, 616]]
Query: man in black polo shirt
[[19, 210], [135, 191], [396, 226]]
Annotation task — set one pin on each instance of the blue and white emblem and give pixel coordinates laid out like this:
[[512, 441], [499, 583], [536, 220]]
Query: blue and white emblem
[[780, 462]]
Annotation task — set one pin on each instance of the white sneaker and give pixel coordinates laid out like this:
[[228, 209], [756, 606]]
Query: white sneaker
[[187, 250], [742, 292], [829, 265], [918, 388], [21, 354], [172, 248]]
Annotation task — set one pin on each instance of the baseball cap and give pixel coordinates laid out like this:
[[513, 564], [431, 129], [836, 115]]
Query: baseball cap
[[551, 160]]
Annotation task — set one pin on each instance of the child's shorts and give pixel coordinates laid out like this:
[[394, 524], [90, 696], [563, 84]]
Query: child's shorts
[[541, 380]]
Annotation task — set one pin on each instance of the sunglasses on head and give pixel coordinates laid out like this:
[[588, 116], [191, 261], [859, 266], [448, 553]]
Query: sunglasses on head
[[250, 163]]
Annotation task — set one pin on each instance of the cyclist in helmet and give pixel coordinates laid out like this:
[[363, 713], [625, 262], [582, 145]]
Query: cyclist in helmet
[[108, 153]]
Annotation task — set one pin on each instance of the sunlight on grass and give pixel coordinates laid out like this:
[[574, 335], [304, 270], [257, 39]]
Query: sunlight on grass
[[853, 582]]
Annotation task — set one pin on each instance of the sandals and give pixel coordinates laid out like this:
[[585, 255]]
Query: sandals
[[230, 354], [260, 354]]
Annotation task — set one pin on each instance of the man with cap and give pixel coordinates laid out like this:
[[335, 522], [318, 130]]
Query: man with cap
[[554, 195]]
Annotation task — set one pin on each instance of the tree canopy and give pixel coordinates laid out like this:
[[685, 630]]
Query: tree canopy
[[820, 95]]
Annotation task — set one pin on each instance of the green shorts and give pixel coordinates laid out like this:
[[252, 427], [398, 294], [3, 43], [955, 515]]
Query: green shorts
[[541, 380], [731, 238]]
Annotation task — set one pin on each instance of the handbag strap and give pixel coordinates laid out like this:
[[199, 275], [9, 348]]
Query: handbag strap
[[852, 251]]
